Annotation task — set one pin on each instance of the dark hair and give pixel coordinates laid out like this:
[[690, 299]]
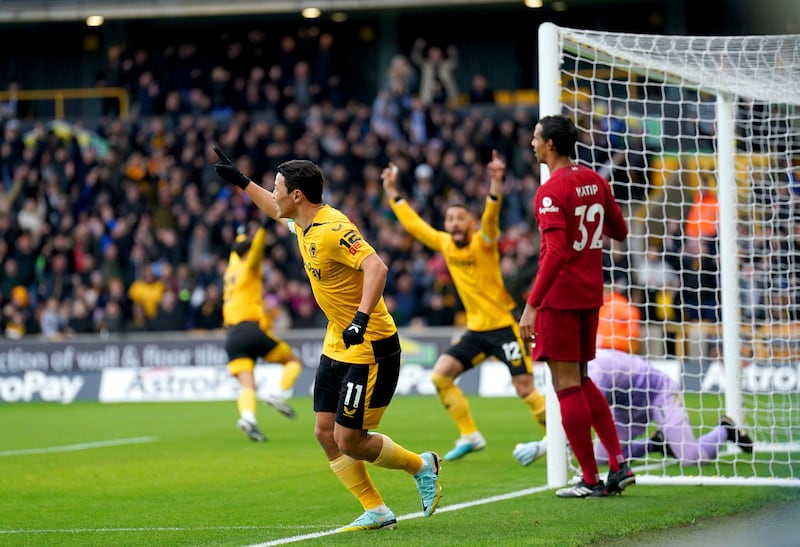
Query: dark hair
[[241, 244], [562, 132], [303, 175], [459, 205]]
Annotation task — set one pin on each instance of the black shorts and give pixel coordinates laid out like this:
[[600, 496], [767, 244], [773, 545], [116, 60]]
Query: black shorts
[[505, 344], [246, 339], [359, 394]]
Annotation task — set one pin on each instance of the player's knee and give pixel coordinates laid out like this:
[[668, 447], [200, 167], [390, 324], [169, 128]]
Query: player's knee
[[351, 445], [441, 381]]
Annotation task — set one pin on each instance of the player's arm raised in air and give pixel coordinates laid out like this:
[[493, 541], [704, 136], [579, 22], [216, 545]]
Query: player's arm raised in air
[[408, 217], [263, 198], [490, 220], [257, 248]]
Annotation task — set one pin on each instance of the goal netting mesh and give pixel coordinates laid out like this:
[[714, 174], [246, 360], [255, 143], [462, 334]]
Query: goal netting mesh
[[700, 139]]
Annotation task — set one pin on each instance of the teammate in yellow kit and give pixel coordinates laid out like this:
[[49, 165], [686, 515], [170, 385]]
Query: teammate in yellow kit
[[473, 259], [248, 335], [360, 362]]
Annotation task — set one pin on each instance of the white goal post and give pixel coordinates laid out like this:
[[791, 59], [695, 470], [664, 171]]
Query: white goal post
[[669, 120]]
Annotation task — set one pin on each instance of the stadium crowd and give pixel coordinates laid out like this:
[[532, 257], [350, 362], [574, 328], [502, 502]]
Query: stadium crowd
[[120, 224]]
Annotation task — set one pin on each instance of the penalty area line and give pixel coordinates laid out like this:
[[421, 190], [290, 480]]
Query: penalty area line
[[74, 447], [454, 507]]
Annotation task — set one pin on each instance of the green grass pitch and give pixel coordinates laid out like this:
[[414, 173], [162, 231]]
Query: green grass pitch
[[182, 474]]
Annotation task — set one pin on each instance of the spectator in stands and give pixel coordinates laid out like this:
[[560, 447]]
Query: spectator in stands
[[14, 108], [673, 243], [403, 301], [703, 215], [208, 315], [327, 71], [111, 319], [619, 323], [437, 73], [112, 75], [617, 263], [480, 91], [699, 294], [138, 321], [18, 314], [660, 281], [10, 279], [52, 323], [753, 292], [80, 319], [401, 78], [169, 314], [129, 193], [148, 290]]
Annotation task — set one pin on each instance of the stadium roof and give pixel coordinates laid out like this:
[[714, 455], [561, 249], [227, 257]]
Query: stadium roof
[[31, 11]]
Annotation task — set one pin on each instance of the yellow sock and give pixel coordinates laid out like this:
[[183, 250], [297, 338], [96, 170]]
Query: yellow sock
[[536, 403], [353, 474], [247, 401], [290, 373], [394, 456], [455, 403]]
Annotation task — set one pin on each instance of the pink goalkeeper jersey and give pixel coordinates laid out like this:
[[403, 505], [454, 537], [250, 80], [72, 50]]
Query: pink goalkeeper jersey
[[574, 209]]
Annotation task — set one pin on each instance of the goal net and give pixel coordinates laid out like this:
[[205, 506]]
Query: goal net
[[700, 139]]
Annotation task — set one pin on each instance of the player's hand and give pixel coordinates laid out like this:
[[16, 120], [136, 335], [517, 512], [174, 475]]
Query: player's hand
[[353, 335], [228, 172], [496, 167], [389, 179], [527, 323]]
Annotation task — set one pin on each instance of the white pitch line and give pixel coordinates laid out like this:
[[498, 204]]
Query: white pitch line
[[74, 447], [454, 507], [156, 529]]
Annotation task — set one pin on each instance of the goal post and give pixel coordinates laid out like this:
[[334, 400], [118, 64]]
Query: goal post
[[669, 121]]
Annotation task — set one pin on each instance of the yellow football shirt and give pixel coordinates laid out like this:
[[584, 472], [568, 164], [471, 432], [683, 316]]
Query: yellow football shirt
[[475, 268], [333, 249], [243, 283]]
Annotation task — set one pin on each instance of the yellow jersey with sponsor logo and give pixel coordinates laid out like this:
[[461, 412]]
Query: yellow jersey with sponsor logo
[[333, 250], [475, 268]]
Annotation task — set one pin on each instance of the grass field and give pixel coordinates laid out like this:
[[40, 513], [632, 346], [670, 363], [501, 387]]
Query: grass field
[[183, 475]]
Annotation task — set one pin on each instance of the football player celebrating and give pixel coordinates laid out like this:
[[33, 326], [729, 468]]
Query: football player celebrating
[[360, 362], [248, 335], [473, 260]]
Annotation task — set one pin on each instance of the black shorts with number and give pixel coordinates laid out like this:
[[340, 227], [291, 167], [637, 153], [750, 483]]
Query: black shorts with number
[[246, 339], [505, 344], [359, 394]]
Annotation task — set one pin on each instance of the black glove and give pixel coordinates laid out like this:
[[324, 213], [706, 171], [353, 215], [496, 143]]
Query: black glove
[[228, 172], [354, 334]]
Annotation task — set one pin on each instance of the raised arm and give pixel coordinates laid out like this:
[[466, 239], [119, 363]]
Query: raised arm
[[227, 171], [490, 220], [408, 217]]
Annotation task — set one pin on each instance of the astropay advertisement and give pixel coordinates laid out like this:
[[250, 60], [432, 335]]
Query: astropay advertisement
[[177, 384]]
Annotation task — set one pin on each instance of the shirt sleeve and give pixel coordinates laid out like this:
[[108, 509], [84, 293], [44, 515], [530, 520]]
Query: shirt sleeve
[[490, 220], [257, 249], [549, 265], [414, 225]]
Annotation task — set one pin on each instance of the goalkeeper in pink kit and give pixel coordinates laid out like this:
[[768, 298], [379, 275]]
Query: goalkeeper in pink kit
[[640, 394]]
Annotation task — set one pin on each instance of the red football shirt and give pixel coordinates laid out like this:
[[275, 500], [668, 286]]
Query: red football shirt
[[574, 210]]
